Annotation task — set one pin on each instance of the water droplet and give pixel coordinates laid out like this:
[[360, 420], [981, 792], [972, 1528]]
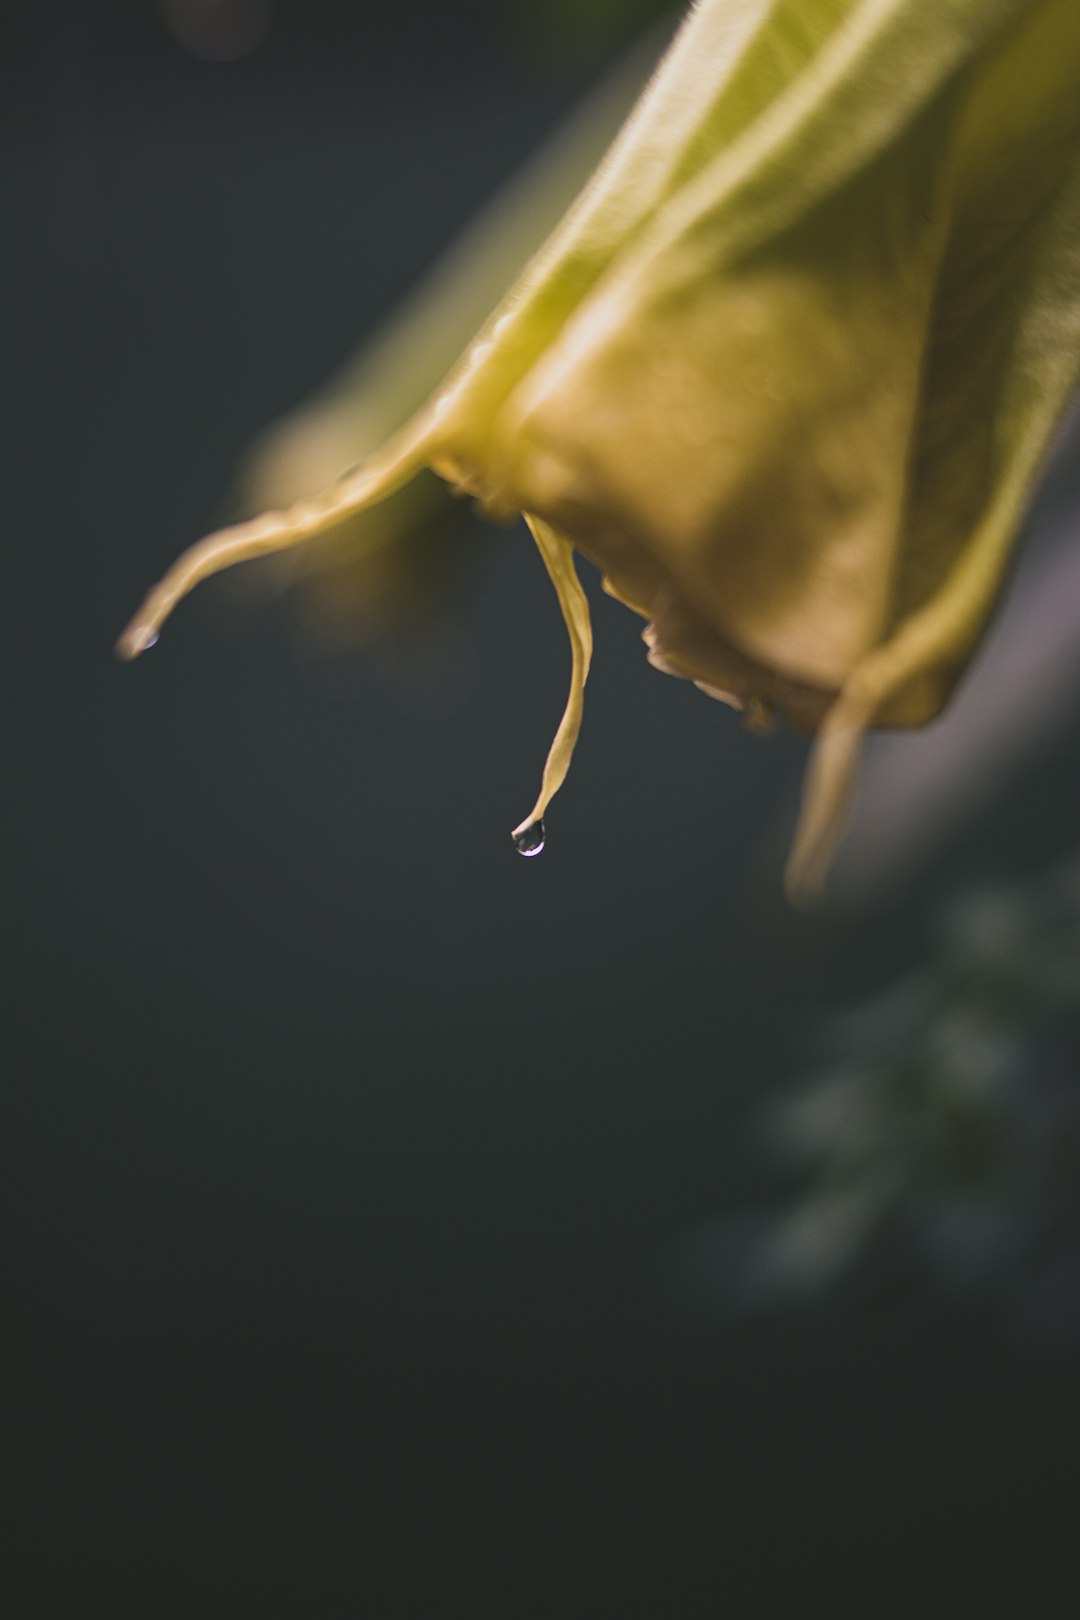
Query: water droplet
[[530, 840], [134, 642]]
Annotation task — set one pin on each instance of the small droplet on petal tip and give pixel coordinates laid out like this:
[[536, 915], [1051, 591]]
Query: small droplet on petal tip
[[136, 640], [529, 841]]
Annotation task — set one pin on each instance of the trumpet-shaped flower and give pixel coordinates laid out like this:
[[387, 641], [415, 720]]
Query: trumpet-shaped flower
[[787, 370]]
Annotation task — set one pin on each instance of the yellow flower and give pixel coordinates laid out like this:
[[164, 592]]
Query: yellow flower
[[787, 370]]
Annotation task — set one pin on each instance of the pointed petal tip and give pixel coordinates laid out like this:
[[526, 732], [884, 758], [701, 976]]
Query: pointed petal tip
[[136, 639]]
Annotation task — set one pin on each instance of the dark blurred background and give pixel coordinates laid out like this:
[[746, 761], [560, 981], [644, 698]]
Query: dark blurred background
[[389, 1234]]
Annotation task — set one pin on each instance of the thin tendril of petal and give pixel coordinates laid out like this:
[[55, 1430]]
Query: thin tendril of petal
[[272, 531], [558, 557]]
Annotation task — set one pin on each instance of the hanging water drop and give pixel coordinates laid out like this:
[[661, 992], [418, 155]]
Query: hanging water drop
[[135, 641], [530, 840]]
